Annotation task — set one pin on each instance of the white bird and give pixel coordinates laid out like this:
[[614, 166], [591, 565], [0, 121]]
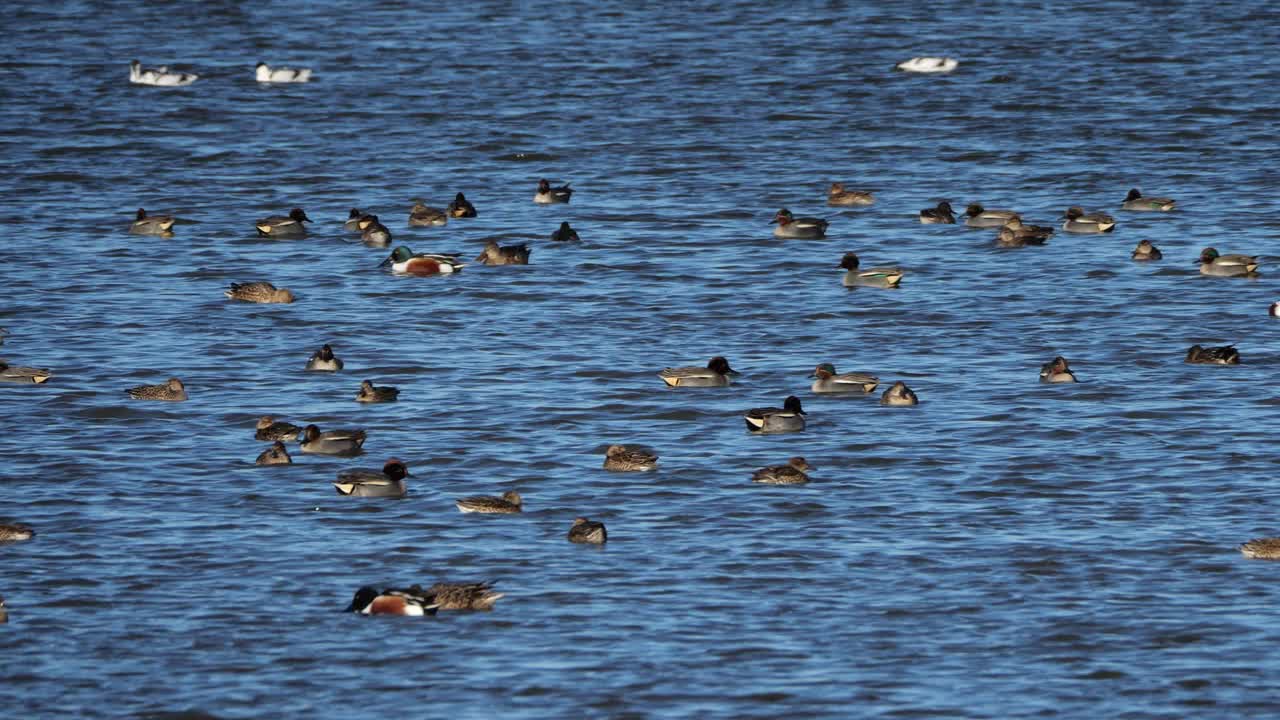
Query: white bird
[[928, 65], [158, 76], [268, 74]]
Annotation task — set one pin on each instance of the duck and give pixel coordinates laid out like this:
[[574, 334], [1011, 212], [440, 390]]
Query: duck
[[899, 394], [620, 458], [1135, 200], [586, 532], [368, 601], [941, 214], [460, 208], [332, 442], [1078, 221], [497, 255], [361, 482], [323, 360], [717, 373], [284, 226], [159, 76], [1274, 310], [403, 261], [881, 277], [172, 390], [827, 380], [15, 532], [565, 234], [1010, 238], [837, 195], [788, 418], [790, 226], [1211, 263], [547, 195], [793, 473], [928, 65], [353, 220], [510, 502], [23, 375], [269, 429], [1032, 233], [460, 596], [1261, 549], [979, 217], [145, 224], [258, 292], [370, 393], [264, 73], [420, 215], [1057, 371], [373, 232], [1224, 355], [4, 614], [1145, 251], [274, 455]]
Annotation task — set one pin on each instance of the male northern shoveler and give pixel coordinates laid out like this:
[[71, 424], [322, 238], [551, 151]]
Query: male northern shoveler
[[368, 601], [403, 260]]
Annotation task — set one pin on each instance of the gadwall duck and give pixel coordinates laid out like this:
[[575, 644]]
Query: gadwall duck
[[1078, 221], [1224, 355], [788, 418], [284, 226], [715, 374], [461, 208], [790, 226], [1145, 251], [274, 455], [510, 502], [1057, 371], [403, 261], [565, 234], [172, 390], [145, 224], [793, 473], [264, 73], [620, 458], [269, 429], [941, 214], [587, 532], [332, 442], [368, 601], [159, 76], [829, 381], [881, 277], [258, 292], [1261, 549], [1135, 200], [495, 254], [420, 215], [361, 482], [837, 195], [547, 195], [979, 217], [899, 394], [370, 393], [323, 360], [1212, 263]]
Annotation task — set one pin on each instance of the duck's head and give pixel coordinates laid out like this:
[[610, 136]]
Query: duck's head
[[825, 370], [1208, 255], [395, 469], [800, 464], [836, 188], [974, 210], [399, 255], [142, 214], [326, 352], [366, 386], [782, 217], [512, 497], [849, 261], [460, 199], [721, 365], [363, 597], [174, 385], [792, 404], [310, 433], [354, 214], [544, 186], [282, 295], [1134, 194], [265, 422], [580, 521], [1059, 365], [615, 450], [945, 207], [1073, 212], [298, 215]]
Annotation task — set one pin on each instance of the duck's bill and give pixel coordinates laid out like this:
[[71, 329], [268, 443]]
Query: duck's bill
[[731, 371], [388, 261]]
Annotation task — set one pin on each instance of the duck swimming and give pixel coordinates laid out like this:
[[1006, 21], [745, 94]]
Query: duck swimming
[[460, 596], [619, 458], [269, 429], [413, 603], [420, 215], [373, 233], [838, 196], [1145, 251], [510, 255], [145, 224], [979, 217], [509, 503], [264, 73], [274, 455], [370, 393], [1224, 355], [22, 375], [460, 208], [829, 381], [807, 228], [332, 442], [881, 277], [284, 226], [788, 418], [389, 482], [587, 532], [1078, 221], [1056, 371], [1135, 200], [942, 214], [547, 195], [565, 234], [1211, 263], [159, 76], [172, 391], [403, 261], [715, 374], [353, 220], [898, 395], [323, 360], [795, 472], [258, 292]]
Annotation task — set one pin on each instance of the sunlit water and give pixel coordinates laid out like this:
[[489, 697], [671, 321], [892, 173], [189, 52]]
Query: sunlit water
[[1006, 549]]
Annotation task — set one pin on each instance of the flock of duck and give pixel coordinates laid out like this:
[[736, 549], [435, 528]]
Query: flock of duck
[[389, 481]]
